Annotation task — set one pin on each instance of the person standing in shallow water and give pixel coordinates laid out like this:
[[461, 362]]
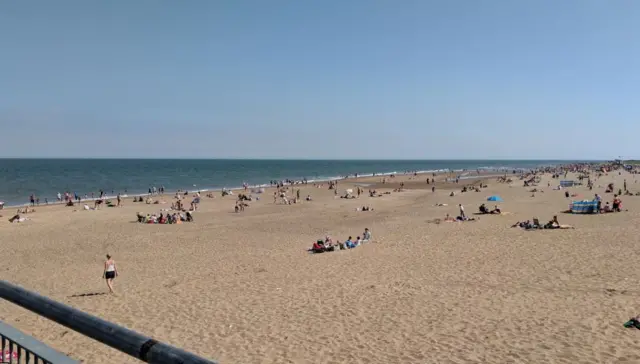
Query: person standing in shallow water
[[110, 272]]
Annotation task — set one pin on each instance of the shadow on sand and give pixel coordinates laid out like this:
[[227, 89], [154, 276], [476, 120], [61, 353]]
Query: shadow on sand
[[88, 294]]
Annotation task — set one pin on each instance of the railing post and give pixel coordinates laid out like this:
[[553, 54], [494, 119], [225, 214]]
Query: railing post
[[32, 347], [120, 338]]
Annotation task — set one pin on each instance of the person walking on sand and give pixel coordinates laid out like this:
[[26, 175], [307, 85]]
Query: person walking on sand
[[110, 272], [462, 211]]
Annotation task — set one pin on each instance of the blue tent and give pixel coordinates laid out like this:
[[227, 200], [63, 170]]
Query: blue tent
[[494, 198]]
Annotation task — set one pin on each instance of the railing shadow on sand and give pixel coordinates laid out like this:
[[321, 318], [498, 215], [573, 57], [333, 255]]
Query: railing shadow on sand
[[20, 348]]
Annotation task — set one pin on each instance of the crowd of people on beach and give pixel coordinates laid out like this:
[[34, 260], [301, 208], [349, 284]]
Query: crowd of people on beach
[[168, 218], [179, 214]]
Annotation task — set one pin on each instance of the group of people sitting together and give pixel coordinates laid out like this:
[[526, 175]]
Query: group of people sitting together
[[178, 205], [327, 244], [616, 205], [535, 224], [148, 200], [175, 218], [485, 210], [240, 205], [474, 188]]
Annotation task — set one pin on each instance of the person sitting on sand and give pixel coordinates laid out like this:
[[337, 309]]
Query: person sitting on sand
[[349, 243], [308, 198], [318, 247], [496, 210], [328, 244], [607, 208], [448, 218], [483, 209], [366, 235]]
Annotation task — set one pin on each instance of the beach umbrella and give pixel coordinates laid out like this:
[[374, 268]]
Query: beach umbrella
[[494, 198]]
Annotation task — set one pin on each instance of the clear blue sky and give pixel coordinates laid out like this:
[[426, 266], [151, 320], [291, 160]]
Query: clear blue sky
[[320, 79]]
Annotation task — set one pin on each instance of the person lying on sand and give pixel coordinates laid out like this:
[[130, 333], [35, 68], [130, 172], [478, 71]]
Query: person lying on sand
[[464, 218], [17, 218], [448, 218], [525, 225], [553, 224]]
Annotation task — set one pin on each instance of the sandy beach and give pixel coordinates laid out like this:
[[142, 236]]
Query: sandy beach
[[242, 288]]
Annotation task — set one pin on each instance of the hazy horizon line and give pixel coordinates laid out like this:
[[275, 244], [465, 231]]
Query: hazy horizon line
[[307, 159]]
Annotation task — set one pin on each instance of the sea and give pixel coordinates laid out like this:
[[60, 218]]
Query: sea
[[19, 178]]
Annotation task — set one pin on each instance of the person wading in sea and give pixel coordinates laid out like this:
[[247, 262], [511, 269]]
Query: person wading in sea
[[110, 272]]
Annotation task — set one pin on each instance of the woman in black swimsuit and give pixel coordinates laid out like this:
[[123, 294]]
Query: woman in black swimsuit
[[110, 272]]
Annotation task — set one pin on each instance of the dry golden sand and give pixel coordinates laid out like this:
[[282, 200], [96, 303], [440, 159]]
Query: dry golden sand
[[240, 288]]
